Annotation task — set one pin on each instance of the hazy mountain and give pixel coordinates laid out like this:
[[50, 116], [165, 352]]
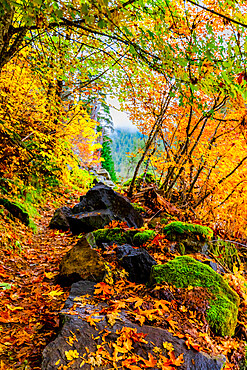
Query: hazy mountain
[[125, 142]]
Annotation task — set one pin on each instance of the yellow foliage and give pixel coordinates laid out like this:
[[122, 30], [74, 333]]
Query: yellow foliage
[[41, 136]]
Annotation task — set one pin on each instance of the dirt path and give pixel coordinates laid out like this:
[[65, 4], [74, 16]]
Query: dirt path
[[30, 300]]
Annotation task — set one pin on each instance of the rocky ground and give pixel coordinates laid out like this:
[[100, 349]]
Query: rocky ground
[[142, 297]]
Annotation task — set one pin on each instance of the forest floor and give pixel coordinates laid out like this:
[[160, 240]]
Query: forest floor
[[30, 299]]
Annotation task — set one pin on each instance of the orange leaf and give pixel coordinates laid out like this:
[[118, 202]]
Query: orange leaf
[[103, 288], [151, 362]]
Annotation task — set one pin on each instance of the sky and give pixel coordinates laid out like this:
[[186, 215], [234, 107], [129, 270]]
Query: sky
[[120, 119]]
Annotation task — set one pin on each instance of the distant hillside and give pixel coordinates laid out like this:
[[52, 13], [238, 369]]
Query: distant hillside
[[124, 141]]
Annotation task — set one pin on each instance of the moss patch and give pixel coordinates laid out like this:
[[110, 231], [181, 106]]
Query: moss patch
[[117, 235], [186, 271], [193, 236], [183, 228], [143, 237]]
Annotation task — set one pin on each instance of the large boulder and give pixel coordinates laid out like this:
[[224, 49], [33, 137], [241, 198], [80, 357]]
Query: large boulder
[[81, 262], [186, 271], [60, 219], [89, 221], [78, 341], [136, 261], [103, 197], [96, 209]]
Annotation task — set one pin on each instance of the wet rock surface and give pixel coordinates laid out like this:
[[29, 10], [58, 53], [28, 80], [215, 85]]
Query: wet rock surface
[[60, 219], [136, 261], [75, 327]]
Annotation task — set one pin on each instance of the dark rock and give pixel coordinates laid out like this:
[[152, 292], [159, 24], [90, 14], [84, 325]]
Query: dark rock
[[103, 197], [75, 326], [87, 222], [215, 266], [137, 262], [82, 206], [96, 209], [81, 262], [60, 219], [16, 210]]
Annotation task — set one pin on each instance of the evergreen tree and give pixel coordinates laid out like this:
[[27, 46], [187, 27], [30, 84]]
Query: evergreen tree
[[108, 163]]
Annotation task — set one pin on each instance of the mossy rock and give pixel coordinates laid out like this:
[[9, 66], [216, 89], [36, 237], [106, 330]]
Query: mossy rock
[[193, 236], [143, 237], [117, 235], [185, 271], [81, 262], [17, 210]]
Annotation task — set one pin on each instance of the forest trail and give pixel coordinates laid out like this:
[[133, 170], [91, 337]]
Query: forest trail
[[30, 300]]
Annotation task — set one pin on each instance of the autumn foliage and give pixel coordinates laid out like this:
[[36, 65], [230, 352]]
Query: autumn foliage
[[42, 137]]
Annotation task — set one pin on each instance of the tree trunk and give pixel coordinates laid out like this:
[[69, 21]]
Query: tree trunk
[[10, 42]]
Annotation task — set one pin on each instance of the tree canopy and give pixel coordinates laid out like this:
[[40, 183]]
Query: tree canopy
[[177, 66]]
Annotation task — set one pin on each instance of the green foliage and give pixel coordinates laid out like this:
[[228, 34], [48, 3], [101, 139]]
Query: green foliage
[[138, 208], [226, 252], [182, 228], [106, 154], [80, 179], [149, 179], [186, 271], [164, 221], [143, 237]]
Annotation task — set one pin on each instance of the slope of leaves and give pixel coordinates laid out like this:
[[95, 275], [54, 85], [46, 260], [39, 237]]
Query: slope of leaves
[[30, 298]]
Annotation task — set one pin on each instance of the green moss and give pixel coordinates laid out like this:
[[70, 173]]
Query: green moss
[[186, 271], [182, 228], [164, 221], [138, 208], [116, 235], [143, 236]]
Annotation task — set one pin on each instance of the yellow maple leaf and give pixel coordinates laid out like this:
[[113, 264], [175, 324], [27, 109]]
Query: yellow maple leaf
[[111, 317], [92, 320], [55, 293], [71, 354], [49, 275]]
